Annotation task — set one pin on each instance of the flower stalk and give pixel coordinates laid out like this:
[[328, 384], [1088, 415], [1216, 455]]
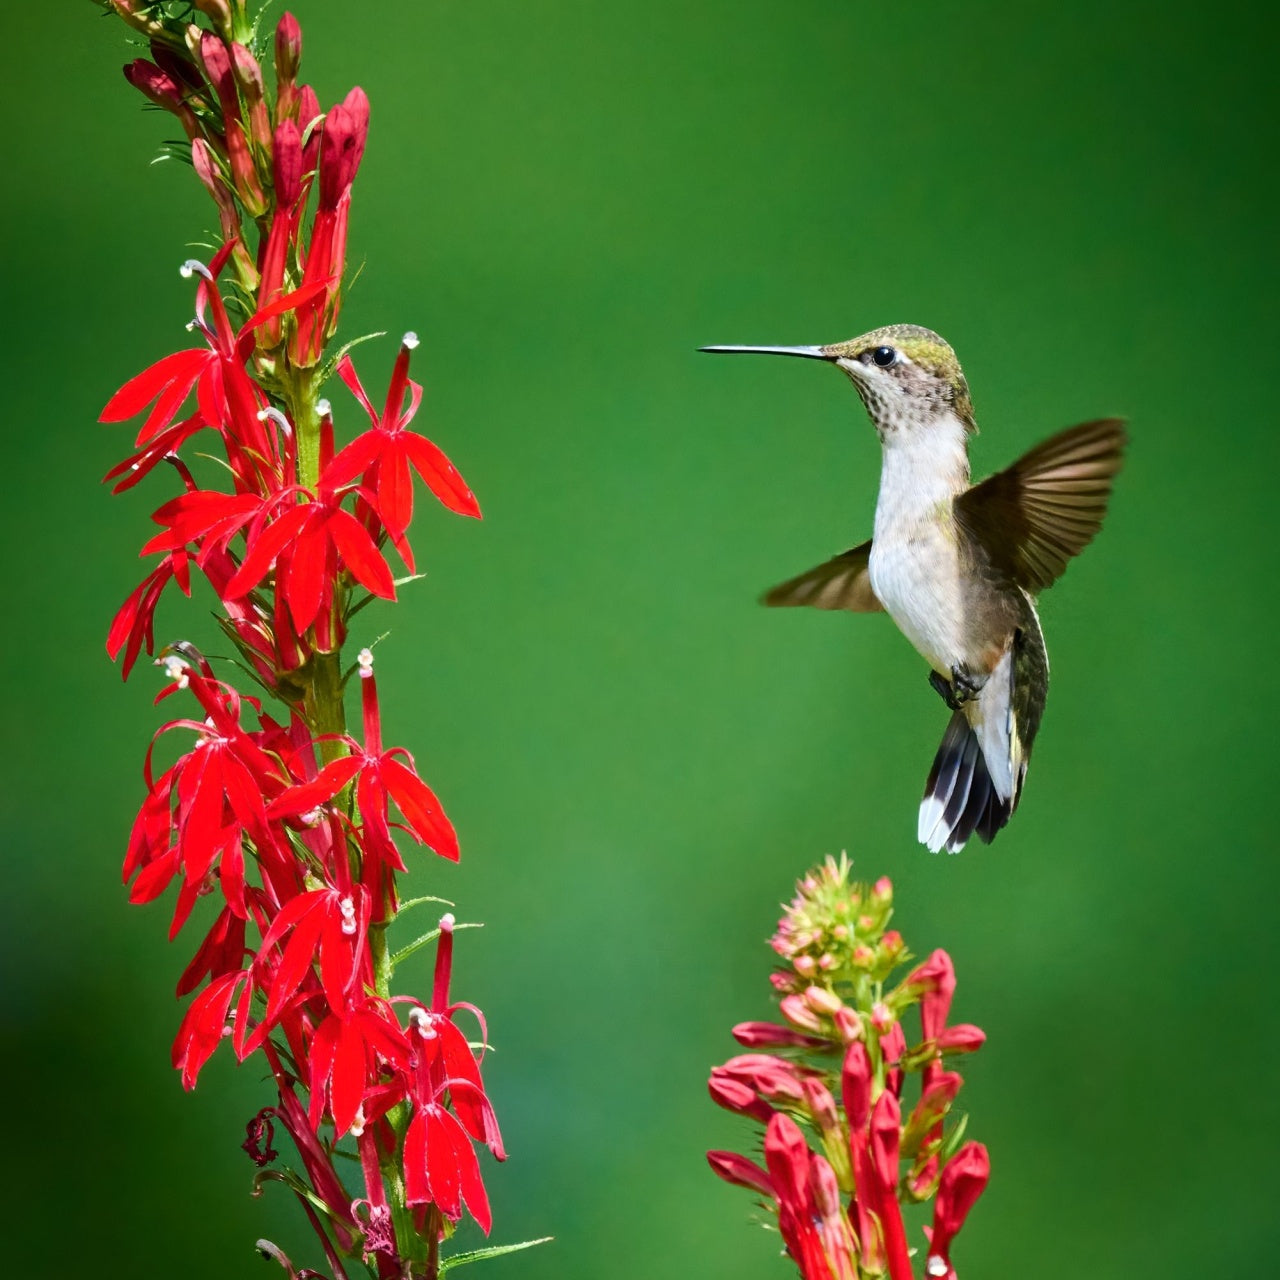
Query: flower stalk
[[843, 1152], [271, 808]]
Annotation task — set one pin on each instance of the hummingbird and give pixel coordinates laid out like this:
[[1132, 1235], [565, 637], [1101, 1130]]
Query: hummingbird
[[957, 565]]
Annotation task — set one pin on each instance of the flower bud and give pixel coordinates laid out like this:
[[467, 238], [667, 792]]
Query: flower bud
[[288, 48], [758, 1035], [964, 1037], [882, 1018], [796, 1012], [849, 1025], [820, 1000], [740, 1171]]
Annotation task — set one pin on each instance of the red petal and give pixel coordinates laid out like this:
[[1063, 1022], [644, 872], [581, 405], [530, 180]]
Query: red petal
[[142, 389], [346, 1091], [395, 491], [202, 1026], [347, 372], [324, 1045], [422, 811], [305, 579], [360, 554], [295, 963], [441, 475], [353, 460], [322, 788], [443, 1172], [417, 1188], [266, 546]]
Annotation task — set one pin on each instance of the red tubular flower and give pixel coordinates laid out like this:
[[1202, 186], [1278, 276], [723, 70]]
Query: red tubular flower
[[838, 1205], [963, 1181], [935, 981], [288, 821], [384, 454], [346, 127]]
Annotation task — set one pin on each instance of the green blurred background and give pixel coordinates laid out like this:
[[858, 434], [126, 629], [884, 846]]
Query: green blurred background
[[565, 200]]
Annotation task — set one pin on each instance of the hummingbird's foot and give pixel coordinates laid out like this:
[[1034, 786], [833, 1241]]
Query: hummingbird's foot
[[963, 687]]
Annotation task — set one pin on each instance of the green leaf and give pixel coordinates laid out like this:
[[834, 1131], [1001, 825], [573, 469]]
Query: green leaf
[[494, 1251]]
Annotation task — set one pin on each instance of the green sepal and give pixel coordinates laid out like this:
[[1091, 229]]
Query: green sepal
[[951, 1143], [493, 1251], [405, 952], [327, 369]]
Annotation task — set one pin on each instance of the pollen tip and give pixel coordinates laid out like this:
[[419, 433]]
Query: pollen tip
[[193, 266], [447, 922], [410, 340], [936, 1266], [324, 408], [365, 660]]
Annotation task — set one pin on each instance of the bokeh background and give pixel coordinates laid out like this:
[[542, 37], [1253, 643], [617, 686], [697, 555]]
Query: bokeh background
[[565, 199]]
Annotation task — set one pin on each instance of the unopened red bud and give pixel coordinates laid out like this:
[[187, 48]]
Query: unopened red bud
[[962, 1038], [882, 891], [863, 957], [848, 1024], [822, 1106], [740, 1171], [288, 48], [805, 964], [735, 1096], [882, 1017], [796, 1012], [827, 962], [286, 162], [892, 942], [840, 932], [820, 1000], [756, 1035], [826, 1190]]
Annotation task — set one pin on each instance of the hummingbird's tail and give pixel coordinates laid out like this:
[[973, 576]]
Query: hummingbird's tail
[[960, 798], [976, 779]]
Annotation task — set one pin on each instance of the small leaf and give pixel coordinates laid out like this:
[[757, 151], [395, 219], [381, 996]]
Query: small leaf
[[493, 1251]]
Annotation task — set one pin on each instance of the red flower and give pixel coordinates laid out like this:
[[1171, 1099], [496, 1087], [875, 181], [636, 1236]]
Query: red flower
[[963, 1181], [385, 453], [311, 543]]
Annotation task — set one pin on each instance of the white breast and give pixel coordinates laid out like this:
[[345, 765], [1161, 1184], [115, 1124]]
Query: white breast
[[914, 565]]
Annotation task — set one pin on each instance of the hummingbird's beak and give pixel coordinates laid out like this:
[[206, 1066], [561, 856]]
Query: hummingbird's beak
[[810, 353]]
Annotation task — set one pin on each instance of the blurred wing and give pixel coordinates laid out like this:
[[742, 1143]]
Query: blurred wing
[[1034, 516], [841, 583]]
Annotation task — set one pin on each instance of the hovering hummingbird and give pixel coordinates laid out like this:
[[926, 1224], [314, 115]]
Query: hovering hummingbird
[[957, 566]]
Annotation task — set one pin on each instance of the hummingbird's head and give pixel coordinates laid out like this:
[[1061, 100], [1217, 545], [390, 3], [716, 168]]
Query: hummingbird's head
[[907, 376]]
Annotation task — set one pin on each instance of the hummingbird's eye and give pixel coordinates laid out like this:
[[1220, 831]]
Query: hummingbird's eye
[[884, 356]]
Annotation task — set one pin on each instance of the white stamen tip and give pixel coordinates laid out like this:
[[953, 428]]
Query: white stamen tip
[[447, 922], [410, 340], [312, 816], [191, 326], [420, 1021], [272, 414], [193, 266], [348, 909], [365, 659], [357, 1125], [936, 1266], [176, 669], [324, 408]]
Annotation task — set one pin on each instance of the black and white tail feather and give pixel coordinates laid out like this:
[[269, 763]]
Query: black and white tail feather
[[977, 775]]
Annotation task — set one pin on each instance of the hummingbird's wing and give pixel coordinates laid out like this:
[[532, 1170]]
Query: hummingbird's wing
[[841, 583], [1034, 516]]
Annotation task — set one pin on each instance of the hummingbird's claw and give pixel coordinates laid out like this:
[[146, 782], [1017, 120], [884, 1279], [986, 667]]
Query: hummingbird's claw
[[963, 687]]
